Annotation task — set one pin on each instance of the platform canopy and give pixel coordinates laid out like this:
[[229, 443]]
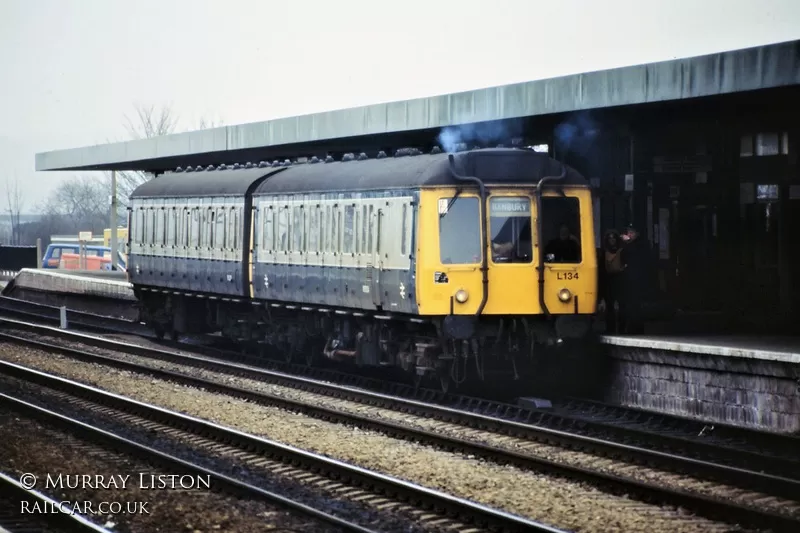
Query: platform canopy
[[763, 67]]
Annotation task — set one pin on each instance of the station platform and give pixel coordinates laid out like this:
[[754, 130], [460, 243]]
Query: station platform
[[786, 349], [104, 284], [734, 379], [102, 292]]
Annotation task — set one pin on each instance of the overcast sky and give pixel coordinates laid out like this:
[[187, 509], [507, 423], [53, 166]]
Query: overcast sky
[[72, 69]]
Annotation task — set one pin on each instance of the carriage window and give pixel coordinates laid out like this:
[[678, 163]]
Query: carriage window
[[364, 226], [371, 230], [223, 235], [152, 235], [459, 230], [140, 225], [267, 241], [334, 227], [349, 216], [212, 228], [171, 226], [561, 230], [510, 229], [237, 232], [283, 229], [313, 230], [297, 229], [195, 224]]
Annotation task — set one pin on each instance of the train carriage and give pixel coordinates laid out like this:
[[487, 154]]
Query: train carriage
[[423, 261]]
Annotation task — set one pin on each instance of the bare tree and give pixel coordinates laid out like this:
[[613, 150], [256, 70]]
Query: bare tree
[[15, 203], [150, 122], [82, 204]]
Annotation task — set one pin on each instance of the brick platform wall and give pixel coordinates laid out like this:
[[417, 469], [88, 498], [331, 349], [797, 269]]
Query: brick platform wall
[[748, 392]]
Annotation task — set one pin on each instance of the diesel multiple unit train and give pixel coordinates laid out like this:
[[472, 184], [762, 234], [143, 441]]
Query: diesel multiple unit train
[[445, 265]]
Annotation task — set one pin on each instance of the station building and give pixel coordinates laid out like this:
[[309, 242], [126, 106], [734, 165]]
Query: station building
[[700, 154]]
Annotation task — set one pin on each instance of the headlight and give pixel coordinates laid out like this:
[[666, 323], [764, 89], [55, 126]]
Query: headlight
[[462, 296], [564, 295]]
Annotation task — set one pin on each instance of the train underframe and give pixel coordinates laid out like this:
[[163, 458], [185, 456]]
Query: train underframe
[[448, 351]]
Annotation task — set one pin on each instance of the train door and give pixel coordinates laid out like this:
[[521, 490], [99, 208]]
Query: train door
[[761, 225], [375, 264]]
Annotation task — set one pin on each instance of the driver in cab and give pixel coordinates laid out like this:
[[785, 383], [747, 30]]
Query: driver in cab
[[564, 248]]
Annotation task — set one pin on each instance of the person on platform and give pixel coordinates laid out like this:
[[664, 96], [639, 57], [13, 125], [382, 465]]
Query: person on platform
[[611, 278], [636, 261]]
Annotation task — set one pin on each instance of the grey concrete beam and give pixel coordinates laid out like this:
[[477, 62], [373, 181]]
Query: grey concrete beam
[[762, 67]]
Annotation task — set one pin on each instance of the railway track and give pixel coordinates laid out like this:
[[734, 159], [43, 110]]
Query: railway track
[[729, 445], [518, 437], [13, 496], [437, 509]]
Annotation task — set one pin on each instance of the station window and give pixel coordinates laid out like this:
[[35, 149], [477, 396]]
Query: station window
[[459, 230], [510, 229], [764, 144], [561, 230]]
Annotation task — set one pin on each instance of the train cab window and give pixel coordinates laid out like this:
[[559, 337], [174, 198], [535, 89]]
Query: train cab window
[[561, 230], [510, 229], [459, 230]]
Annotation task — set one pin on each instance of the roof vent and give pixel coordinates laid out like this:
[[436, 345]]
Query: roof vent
[[221, 167], [436, 150], [287, 162], [314, 159], [179, 169], [402, 152], [381, 154], [362, 156], [249, 165], [461, 147], [236, 166], [276, 163], [348, 157], [262, 164], [329, 159], [210, 167], [189, 169]]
